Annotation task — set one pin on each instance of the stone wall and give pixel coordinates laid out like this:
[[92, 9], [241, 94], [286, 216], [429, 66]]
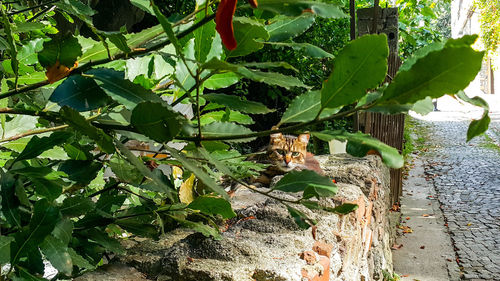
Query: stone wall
[[264, 243]]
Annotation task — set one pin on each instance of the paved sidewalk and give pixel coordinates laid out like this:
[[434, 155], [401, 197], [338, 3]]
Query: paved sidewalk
[[466, 178]]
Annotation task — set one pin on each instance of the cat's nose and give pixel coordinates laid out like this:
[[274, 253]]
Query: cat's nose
[[288, 158]]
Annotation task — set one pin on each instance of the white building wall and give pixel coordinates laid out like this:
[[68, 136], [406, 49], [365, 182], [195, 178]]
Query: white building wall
[[465, 20]]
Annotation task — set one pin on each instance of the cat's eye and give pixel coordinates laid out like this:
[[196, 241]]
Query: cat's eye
[[280, 151], [295, 154]]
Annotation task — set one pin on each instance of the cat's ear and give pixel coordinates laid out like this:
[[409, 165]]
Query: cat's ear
[[304, 138], [276, 135]]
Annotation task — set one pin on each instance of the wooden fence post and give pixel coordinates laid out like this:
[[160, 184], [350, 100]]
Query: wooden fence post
[[387, 128]]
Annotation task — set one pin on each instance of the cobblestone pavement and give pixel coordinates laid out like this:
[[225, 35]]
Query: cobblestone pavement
[[466, 177]]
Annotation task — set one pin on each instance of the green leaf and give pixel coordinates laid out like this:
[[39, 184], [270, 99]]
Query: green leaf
[[135, 40], [308, 49], [78, 122], [282, 28], [5, 249], [246, 31], [137, 227], [228, 115], [144, 5], [25, 275], [77, 8], [219, 81], [477, 101], [238, 104], [27, 26], [361, 65], [137, 66], [298, 7], [47, 188], [225, 129], [161, 185], [43, 221], [204, 229], [82, 172], [57, 253], [103, 239], [271, 78], [274, 78], [123, 91], [157, 121], [167, 27], [125, 171], [183, 69], [344, 208], [37, 146], [63, 231], [117, 38], [300, 218], [477, 127], [358, 144], [270, 64], [305, 108], [203, 37], [18, 124], [66, 50], [310, 182], [79, 260], [27, 54], [77, 206], [198, 172], [424, 106], [440, 72], [10, 203], [213, 205]]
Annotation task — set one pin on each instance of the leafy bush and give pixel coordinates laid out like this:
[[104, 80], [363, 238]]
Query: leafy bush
[[129, 135]]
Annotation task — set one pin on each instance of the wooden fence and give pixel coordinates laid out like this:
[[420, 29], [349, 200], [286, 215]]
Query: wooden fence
[[387, 128]]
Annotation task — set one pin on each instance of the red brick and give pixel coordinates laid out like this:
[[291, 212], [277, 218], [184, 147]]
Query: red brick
[[309, 257], [323, 249]]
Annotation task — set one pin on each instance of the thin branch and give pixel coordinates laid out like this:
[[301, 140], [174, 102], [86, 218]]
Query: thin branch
[[91, 64], [49, 115], [24, 89], [34, 132], [254, 189], [46, 10], [188, 93], [282, 130], [198, 113], [136, 194], [113, 186], [34, 7]]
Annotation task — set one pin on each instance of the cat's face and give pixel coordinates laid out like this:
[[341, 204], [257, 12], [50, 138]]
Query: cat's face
[[288, 152]]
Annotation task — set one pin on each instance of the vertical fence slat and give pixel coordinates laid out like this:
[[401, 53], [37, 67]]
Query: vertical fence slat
[[387, 128]]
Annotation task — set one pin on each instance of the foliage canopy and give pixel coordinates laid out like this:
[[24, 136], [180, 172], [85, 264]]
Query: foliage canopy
[[76, 112]]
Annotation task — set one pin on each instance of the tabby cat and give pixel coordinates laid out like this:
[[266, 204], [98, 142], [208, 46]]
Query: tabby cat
[[286, 153]]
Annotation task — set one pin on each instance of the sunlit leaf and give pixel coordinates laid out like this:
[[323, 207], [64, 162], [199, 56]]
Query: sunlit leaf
[[226, 129], [157, 121], [305, 108], [359, 144], [297, 7], [361, 65], [238, 104], [282, 28], [213, 205]]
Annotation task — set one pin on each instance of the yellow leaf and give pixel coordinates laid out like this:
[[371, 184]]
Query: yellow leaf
[[177, 172], [58, 71], [186, 192]]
